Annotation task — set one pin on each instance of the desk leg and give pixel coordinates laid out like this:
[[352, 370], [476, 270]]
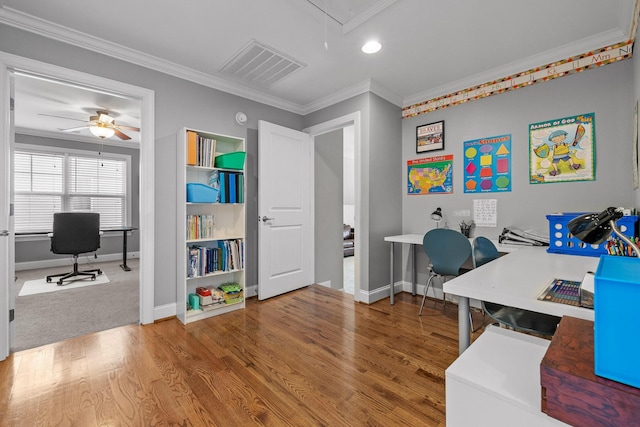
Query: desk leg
[[124, 252], [414, 284], [391, 287], [464, 331]]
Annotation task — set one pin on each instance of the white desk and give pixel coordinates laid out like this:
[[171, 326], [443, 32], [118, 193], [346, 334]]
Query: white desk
[[416, 239], [516, 280]]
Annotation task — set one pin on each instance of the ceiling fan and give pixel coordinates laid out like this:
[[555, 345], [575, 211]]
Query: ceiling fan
[[104, 126]]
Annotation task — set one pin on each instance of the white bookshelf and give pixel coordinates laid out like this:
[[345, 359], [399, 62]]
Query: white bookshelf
[[229, 223]]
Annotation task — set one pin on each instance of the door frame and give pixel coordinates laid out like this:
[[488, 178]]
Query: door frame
[[361, 253], [10, 62]]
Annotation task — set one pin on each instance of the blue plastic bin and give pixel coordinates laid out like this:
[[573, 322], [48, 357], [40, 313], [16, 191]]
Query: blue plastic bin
[[561, 241], [616, 328], [201, 193]]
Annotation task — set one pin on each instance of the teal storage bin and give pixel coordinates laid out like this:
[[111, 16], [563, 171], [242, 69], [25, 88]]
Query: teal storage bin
[[617, 328], [231, 160], [201, 193]]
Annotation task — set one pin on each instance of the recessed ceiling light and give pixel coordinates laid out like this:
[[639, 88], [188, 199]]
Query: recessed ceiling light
[[371, 47]]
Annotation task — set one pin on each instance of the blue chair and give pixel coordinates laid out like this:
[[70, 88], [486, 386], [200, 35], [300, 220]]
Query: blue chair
[[447, 251], [518, 319]]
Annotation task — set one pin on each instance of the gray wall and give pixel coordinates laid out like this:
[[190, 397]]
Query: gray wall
[[604, 91], [328, 160], [37, 249], [178, 103]]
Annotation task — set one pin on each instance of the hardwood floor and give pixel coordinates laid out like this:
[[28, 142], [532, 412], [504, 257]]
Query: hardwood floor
[[310, 357]]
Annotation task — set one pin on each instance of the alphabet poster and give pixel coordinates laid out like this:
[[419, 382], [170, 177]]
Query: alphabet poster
[[431, 175], [487, 165], [562, 150]]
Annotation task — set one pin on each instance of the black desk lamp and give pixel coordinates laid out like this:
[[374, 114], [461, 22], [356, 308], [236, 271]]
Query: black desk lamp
[[596, 227], [437, 216]]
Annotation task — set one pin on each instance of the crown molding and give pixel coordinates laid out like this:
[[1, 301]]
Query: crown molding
[[567, 51], [364, 86], [23, 21], [366, 14]]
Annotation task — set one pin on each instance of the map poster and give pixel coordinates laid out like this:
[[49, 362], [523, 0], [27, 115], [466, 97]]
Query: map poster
[[487, 165], [562, 150], [431, 175]]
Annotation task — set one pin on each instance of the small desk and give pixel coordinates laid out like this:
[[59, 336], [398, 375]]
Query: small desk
[[414, 240], [124, 230], [516, 280]]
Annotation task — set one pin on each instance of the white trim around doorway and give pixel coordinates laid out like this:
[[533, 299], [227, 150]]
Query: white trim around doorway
[[10, 62]]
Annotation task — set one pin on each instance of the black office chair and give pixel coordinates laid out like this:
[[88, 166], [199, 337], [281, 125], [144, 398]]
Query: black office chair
[[447, 250], [75, 233], [518, 319]]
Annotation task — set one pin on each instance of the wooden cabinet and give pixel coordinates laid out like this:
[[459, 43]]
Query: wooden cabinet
[[210, 230], [572, 392]]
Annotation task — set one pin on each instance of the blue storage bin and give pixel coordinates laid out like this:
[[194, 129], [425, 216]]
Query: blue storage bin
[[616, 302], [561, 241], [201, 193]]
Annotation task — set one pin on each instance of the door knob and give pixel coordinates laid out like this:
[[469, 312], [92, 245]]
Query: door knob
[[266, 218]]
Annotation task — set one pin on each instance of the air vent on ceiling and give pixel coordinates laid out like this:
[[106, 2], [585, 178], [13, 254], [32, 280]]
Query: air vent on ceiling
[[261, 64]]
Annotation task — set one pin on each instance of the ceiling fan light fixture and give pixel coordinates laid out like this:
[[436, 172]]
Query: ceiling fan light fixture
[[372, 46], [101, 130]]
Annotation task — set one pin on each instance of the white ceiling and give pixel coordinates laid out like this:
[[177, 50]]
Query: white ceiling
[[430, 48]]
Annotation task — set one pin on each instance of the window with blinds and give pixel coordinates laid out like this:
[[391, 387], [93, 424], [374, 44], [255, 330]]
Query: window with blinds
[[45, 183]]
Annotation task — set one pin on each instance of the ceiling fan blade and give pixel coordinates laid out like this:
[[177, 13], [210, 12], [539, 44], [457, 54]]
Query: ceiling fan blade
[[127, 128], [121, 135], [61, 117], [74, 129]]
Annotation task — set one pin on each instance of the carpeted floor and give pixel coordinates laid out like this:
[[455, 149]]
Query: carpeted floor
[[47, 318]]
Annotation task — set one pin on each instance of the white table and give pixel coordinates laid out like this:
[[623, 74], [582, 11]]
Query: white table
[[517, 279], [414, 240]]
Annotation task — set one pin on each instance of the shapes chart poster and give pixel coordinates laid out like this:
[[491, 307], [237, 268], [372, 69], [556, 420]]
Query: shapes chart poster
[[487, 164]]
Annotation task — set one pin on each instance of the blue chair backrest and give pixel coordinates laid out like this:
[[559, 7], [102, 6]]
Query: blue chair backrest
[[483, 251], [447, 250]]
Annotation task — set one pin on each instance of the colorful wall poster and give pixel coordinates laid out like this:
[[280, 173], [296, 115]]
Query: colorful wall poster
[[431, 175], [487, 164], [563, 150]]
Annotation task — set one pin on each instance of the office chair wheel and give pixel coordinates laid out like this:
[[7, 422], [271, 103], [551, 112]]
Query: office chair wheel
[[48, 279], [93, 277]]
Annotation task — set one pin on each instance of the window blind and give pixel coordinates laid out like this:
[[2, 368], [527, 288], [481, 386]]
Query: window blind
[[45, 183]]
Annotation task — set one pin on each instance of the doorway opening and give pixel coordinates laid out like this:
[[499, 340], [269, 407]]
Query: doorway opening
[[9, 65], [348, 209], [361, 253]]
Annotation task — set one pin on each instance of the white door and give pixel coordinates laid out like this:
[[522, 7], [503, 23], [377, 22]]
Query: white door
[[285, 195], [7, 298]]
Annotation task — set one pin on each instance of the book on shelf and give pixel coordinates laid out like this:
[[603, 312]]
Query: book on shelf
[[226, 255], [230, 186], [201, 151], [200, 226], [192, 139]]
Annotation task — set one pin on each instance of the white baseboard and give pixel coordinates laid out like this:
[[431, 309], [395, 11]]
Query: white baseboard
[[164, 311], [369, 297], [326, 284], [62, 262]]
